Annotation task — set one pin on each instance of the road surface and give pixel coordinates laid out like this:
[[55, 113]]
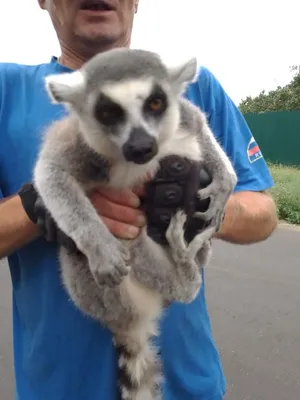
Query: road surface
[[253, 296]]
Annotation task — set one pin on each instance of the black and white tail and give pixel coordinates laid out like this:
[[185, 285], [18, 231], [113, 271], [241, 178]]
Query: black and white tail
[[139, 366]]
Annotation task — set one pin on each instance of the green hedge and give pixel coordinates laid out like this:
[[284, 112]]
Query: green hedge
[[286, 192]]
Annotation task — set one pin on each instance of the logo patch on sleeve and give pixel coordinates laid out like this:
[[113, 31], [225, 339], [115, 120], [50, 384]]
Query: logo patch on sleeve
[[253, 151]]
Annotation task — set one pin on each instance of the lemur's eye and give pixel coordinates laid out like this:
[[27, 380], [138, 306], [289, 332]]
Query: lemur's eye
[[156, 103], [107, 112]]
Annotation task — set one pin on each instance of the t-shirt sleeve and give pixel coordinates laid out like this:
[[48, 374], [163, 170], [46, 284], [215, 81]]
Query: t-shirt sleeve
[[233, 133]]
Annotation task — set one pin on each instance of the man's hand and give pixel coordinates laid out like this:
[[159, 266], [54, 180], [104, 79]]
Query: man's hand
[[119, 211]]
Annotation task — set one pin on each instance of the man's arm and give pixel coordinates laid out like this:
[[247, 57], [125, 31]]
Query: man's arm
[[250, 217], [16, 229], [250, 214], [118, 210]]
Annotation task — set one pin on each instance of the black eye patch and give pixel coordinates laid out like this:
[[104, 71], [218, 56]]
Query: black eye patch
[[107, 112], [157, 103]]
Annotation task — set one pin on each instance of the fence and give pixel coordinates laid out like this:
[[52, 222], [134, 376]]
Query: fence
[[278, 135]]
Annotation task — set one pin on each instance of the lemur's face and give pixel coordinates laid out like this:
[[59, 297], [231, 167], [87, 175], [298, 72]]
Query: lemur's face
[[135, 115], [126, 101]]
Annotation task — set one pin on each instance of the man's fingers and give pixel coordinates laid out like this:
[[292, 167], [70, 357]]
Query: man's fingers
[[118, 212], [120, 229], [125, 197], [139, 191]]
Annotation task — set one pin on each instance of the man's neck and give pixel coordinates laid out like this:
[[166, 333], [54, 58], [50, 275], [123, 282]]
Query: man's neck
[[71, 59], [74, 60]]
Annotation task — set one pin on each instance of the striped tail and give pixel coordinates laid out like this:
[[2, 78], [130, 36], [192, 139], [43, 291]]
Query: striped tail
[[139, 367]]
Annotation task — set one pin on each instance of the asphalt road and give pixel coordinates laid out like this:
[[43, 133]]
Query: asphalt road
[[254, 300]]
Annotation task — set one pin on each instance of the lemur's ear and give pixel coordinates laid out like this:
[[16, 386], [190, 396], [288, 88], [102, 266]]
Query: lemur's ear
[[65, 87], [183, 74]]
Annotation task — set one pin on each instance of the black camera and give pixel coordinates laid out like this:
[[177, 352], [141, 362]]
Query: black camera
[[175, 187]]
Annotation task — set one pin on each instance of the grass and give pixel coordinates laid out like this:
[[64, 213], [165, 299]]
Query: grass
[[286, 192]]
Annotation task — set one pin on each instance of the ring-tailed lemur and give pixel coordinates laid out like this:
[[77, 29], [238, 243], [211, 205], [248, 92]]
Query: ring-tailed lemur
[[126, 114]]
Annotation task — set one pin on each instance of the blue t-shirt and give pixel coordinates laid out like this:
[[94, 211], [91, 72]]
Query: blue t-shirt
[[59, 353]]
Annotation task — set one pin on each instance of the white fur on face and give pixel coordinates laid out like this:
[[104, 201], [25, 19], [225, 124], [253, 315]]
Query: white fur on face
[[128, 93]]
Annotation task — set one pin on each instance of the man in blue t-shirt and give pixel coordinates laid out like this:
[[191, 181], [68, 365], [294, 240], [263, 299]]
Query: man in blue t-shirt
[[59, 354]]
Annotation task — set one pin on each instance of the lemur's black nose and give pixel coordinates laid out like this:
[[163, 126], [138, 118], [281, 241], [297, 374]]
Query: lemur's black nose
[[140, 147]]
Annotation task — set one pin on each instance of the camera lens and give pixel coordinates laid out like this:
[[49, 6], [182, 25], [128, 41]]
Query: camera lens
[[168, 195], [177, 167], [165, 217]]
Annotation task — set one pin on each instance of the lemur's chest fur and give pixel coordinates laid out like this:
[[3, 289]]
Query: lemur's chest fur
[[126, 175]]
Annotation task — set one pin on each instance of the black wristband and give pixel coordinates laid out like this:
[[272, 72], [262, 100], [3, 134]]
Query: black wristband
[[39, 215], [28, 196]]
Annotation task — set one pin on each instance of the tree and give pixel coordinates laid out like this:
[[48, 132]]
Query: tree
[[285, 98]]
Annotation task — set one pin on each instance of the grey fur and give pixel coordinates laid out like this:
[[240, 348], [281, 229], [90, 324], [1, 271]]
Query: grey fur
[[126, 284]]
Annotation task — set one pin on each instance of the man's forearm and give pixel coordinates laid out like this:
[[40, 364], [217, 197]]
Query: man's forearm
[[16, 229], [250, 217]]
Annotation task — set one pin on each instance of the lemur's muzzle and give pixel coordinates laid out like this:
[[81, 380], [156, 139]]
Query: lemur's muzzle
[[140, 147]]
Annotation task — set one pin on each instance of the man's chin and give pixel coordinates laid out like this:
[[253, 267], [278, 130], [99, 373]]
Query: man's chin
[[97, 37]]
